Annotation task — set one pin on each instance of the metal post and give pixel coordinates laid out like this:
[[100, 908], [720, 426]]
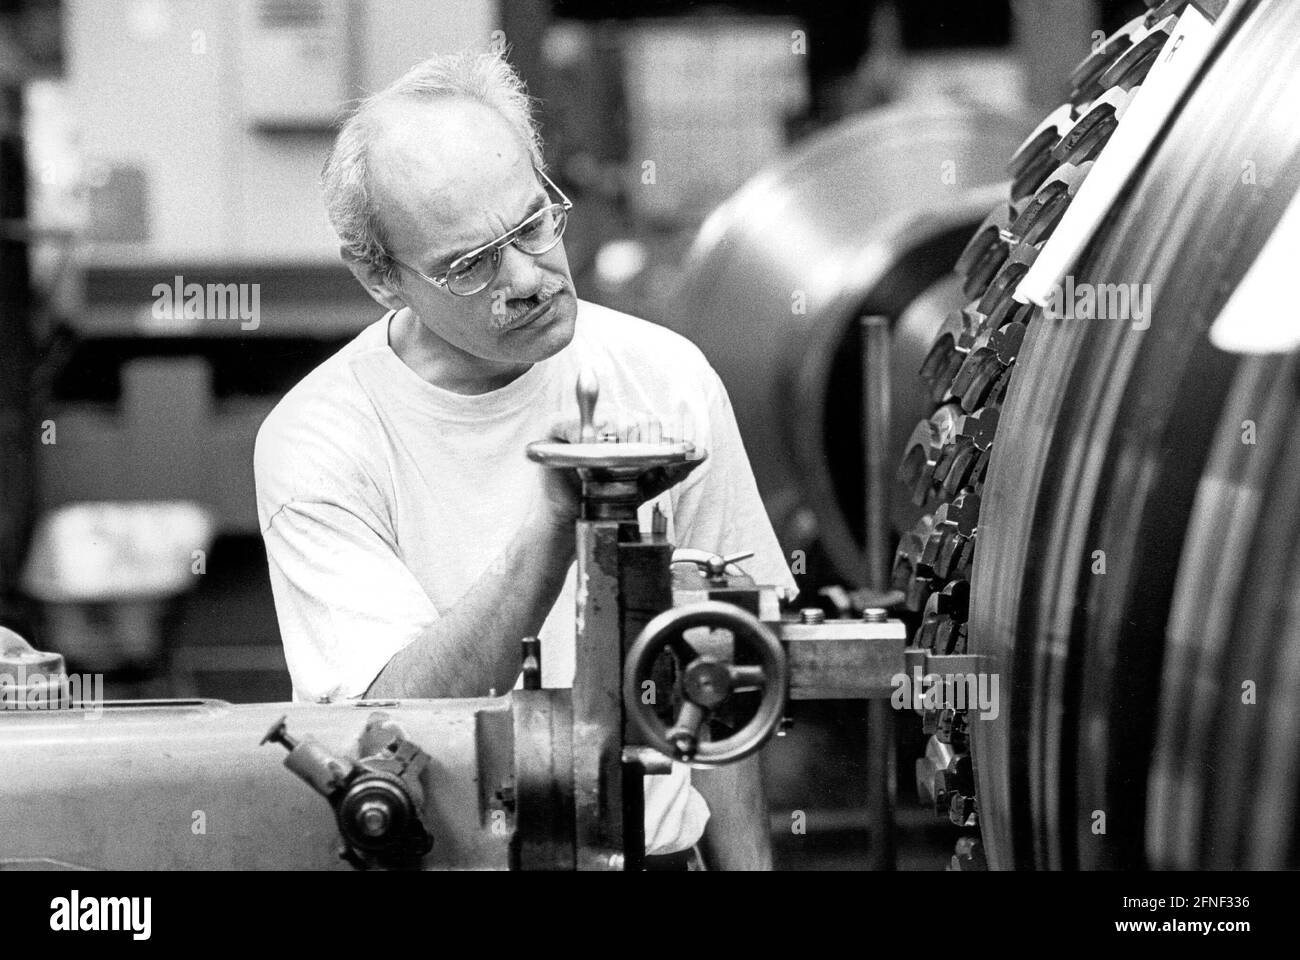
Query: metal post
[[18, 423], [597, 701], [876, 453], [622, 583]]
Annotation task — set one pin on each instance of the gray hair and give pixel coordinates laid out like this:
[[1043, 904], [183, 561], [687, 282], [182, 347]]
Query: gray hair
[[347, 178]]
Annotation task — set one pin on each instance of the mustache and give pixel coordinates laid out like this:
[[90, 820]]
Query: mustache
[[549, 288]]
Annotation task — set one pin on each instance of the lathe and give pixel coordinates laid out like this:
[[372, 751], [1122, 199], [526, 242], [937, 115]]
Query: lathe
[[680, 656]]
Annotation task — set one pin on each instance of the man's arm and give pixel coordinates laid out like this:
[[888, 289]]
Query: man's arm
[[473, 648], [355, 620]]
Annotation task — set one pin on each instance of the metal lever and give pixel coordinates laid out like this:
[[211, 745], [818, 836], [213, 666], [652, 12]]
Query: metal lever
[[588, 391], [714, 565]]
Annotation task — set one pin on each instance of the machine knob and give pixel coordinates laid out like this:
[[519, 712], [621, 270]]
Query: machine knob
[[711, 564], [705, 681], [377, 816], [588, 390]]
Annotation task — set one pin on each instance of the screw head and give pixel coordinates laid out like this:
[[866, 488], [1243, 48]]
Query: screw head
[[812, 615], [875, 615]]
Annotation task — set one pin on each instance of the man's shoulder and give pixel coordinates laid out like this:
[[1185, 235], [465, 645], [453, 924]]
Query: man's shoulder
[[316, 436], [331, 386]]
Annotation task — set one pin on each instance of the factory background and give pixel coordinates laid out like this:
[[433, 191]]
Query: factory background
[[152, 144], [168, 139]]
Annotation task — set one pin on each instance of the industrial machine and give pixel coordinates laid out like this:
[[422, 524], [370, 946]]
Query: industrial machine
[[680, 656], [1099, 523], [1095, 540], [1098, 508]]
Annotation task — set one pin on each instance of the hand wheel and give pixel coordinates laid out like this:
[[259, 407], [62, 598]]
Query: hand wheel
[[705, 681], [610, 459]]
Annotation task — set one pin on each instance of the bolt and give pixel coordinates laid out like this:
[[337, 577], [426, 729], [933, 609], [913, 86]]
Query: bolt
[[967, 847], [812, 615], [875, 615], [373, 818], [532, 663], [658, 522]]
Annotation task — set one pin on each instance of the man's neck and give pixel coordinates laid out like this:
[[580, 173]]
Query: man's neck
[[444, 365]]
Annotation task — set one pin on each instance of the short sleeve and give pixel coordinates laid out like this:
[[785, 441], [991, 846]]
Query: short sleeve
[[346, 601]]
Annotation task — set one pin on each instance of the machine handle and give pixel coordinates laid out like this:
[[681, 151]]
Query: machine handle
[[705, 682], [588, 391], [713, 565]]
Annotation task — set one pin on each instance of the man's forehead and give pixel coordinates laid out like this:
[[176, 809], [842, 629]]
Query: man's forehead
[[438, 165]]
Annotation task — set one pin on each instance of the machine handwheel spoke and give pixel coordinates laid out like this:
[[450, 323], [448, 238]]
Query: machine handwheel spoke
[[746, 679]]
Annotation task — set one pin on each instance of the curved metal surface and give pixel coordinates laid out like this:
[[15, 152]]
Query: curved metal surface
[[184, 785], [1104, 433], [1224, 778], [863, 218]]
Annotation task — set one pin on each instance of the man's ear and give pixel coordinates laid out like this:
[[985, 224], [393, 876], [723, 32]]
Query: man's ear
[[380, 290]]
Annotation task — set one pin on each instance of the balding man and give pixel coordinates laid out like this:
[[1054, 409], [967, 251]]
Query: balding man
[[411, 543]]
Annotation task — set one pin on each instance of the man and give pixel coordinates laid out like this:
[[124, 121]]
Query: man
[[411, 543]]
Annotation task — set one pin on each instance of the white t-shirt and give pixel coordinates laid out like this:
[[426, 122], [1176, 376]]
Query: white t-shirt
[[382, 499]]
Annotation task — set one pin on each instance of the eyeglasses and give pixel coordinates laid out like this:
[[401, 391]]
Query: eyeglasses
[[471, 272]]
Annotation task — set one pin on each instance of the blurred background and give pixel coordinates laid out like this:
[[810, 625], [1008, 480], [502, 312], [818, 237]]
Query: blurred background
[[145, 140]]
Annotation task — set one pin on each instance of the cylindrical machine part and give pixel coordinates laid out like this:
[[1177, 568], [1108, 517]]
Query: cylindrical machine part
[[865, 218], [1101, 593]]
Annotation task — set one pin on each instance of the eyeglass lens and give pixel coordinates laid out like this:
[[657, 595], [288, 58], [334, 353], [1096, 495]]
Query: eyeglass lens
[[538, 236]]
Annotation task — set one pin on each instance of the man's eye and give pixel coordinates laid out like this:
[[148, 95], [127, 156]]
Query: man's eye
[[464, 267], [536, 228]]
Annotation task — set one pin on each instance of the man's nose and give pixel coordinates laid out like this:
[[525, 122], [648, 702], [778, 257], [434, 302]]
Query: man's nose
[[520, 275]]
